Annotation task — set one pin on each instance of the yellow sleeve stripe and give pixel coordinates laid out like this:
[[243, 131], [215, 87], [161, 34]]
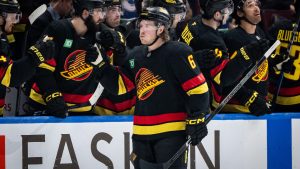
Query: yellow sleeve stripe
[[122, 88], [161, 128], [198, 90], [46, 66], [7, 76]]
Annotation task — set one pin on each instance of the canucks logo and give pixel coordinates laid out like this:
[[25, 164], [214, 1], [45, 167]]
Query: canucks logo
[[146, 83], [75, 66]]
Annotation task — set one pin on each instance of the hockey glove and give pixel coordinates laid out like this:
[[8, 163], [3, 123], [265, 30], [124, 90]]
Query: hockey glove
[[206, 58], [255, 50], [256, 104], [56, 105], [112, 40], [95, 57], [196, 128], [42, 51]]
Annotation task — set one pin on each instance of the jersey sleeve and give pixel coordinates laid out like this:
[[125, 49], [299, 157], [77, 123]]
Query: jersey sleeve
[[191, 80]]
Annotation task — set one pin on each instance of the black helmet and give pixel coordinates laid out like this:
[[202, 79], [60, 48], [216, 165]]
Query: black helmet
[[80, 5], [9, 6], [210, 7], [172, 6], [158, 14], [112, 2]]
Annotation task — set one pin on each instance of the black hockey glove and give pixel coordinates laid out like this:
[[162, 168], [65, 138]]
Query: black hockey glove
[[206, 58], [56, 105], [288, 66], [256, 104], [95, 57], [112, 40], [196, 128], [42, 51], [255, 50]]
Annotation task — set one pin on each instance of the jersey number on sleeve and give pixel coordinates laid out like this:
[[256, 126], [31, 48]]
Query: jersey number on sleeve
[[192, 62]]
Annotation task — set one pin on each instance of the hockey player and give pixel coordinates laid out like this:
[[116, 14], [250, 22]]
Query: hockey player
[[252, 98], [113, 15], [289, 92], [68, 80], [177, 10], [110, 104], [211, 51], [172, 94], [13, 73]]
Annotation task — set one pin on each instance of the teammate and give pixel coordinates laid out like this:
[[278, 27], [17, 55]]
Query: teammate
[[172, 94], [289, 93], [68, 80], [110, 104], [177, 10], [13, 73], [252, 98], [113, 15], [211, 52]]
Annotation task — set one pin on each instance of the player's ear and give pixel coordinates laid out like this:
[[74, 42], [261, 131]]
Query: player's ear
[[240, 13], [160, 29]]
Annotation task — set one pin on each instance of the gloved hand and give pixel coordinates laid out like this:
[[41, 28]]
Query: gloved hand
[[288, 66], [112, 40], [95, 57], [256, 104], [42, 51], [206, 58], [56, 105], [255, 50], [196, 128]]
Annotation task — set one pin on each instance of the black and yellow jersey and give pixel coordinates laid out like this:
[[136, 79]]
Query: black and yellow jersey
[[288, 99], [235, 39], [67, 72], [168, 85]]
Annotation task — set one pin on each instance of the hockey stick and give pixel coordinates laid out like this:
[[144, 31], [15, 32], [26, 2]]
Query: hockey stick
[[279, 66], [148, 165], [36, 13]]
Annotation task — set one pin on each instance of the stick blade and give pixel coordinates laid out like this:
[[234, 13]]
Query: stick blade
[[148, 165]]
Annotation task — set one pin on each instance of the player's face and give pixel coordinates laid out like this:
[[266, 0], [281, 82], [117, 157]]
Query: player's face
[[113, 16], [10, 20], [98, 15], [148, 31], [252, 11]]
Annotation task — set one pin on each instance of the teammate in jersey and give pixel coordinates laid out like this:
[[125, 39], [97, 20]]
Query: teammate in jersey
[[13, 73], [172, 94], [289, 92], [68, 80], [211, 51]]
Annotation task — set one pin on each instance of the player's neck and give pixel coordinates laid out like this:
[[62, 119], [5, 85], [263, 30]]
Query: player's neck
[[211, 23], [79, 26], [249, 28], [156, 45]]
